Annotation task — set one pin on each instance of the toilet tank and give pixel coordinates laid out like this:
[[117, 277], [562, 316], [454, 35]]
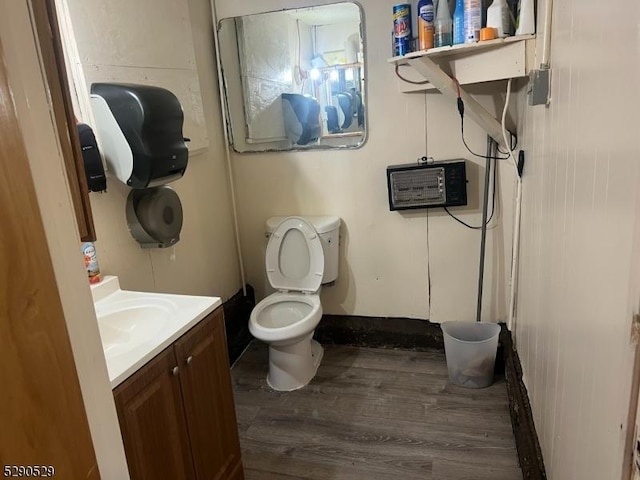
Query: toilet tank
[[328, 228]]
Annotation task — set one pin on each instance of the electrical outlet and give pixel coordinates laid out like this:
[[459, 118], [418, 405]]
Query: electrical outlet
[[539, 86]]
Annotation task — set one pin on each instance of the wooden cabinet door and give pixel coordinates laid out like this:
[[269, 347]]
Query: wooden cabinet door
[[151, 415], [208, 399]]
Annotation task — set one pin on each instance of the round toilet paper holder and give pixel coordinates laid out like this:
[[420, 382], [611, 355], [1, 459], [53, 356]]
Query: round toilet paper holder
[[154, 216]]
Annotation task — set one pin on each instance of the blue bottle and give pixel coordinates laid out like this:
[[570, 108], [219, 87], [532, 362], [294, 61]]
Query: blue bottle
[[458, 23]]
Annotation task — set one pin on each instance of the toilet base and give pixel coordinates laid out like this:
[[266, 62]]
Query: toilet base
[[293, 366]]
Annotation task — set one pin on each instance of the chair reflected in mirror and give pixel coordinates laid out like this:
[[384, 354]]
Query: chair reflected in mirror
[[333, 123], [301, 118], [351, 108]]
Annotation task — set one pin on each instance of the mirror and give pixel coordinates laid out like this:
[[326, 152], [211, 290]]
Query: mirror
[[294, 79]]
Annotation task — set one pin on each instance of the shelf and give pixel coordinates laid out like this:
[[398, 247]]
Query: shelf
[[487, 61], [446, 68]]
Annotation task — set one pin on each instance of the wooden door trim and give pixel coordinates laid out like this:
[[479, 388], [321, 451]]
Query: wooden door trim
[[46, 26], [43, 417]]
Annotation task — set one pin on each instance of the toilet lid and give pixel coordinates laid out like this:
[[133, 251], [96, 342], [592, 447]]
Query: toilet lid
[[294, 259]]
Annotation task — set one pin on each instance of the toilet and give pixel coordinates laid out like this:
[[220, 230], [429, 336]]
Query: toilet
[[302, 254]]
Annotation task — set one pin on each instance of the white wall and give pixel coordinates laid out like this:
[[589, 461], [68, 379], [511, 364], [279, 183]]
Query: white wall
[[579, 212], [387, 258], [146, 42], [334, 37], [204, 262]]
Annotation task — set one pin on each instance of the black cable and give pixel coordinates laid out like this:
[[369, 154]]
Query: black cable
[[467, 146], [493, 204], [461, 112]]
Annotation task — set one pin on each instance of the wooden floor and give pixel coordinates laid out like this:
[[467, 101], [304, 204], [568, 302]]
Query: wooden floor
[[372, 414]]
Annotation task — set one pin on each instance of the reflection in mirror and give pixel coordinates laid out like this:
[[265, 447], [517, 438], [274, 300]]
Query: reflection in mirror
[[294, 79]]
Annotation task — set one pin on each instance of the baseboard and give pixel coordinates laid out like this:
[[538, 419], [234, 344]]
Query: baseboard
[[422, 335], [524, 429], [379, 332], [236, 319]]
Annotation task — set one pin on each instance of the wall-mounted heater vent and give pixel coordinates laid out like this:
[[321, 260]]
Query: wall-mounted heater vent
[[422, 185]]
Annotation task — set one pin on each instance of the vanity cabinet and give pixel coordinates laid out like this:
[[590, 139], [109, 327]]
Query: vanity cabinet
[[177, 413]]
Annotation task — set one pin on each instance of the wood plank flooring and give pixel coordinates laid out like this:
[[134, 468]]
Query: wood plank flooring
[[372, 414]]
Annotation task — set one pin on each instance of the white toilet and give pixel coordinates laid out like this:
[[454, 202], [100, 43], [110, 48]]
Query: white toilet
[[301, 254]]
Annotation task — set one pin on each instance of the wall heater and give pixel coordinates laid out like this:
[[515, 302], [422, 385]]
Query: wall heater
[[427, 185]]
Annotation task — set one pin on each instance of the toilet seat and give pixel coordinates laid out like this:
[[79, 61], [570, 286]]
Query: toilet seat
[[285, 316], [301, 275]]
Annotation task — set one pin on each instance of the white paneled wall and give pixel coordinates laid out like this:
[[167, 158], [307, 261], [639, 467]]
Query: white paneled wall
[[579, 214]]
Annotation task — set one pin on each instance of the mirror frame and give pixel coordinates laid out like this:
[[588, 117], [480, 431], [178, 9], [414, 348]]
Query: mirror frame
[[224, 92]]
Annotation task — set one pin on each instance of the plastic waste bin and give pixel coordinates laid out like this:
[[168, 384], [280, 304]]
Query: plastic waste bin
[[470, 348]]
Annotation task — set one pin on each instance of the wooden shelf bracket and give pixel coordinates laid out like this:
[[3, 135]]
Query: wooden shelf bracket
[[449, 87]]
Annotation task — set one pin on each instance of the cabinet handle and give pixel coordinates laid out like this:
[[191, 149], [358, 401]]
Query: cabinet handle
[[189, 359], [175, 371]]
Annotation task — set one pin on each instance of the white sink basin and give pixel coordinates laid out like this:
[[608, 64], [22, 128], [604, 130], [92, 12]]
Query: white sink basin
[[136, 326], [126, 324]]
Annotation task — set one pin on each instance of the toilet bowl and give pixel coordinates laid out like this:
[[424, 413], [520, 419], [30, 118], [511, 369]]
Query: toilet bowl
[[286, 319], [286, 322]]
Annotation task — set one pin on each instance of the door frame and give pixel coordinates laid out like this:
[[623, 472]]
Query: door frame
[[31, 95]]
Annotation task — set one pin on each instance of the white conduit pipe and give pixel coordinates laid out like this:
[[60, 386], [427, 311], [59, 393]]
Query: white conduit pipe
[[546, 39], [516, 222], [225, 124]]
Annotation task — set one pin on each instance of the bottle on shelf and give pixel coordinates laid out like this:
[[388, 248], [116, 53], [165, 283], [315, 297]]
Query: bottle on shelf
[[401, 34], [472, 20], [499, 17], [425, 24], [526, 18], [458, 23], [443, 30]]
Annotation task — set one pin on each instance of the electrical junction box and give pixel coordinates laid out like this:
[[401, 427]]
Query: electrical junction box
[[427, 185]]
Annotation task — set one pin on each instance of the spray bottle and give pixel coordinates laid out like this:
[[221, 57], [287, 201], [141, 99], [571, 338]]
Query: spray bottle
[[472, 20], [425, 24], [526, 20], [499, 17], [458, 23], [91, 262]]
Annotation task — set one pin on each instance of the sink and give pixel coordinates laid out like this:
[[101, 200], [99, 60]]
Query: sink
[[136, 326], [125, 325]]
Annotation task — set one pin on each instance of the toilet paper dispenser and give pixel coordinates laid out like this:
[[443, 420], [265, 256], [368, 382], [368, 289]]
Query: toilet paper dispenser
[[140, 133], [154, 216]]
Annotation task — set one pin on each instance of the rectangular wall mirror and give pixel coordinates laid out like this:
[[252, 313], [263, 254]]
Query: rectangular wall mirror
[[295, 79]]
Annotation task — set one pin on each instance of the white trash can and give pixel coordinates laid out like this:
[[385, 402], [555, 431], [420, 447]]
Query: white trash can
[[470, 348]]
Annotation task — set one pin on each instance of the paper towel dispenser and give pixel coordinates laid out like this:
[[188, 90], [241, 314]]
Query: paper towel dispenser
[[140, 132]]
